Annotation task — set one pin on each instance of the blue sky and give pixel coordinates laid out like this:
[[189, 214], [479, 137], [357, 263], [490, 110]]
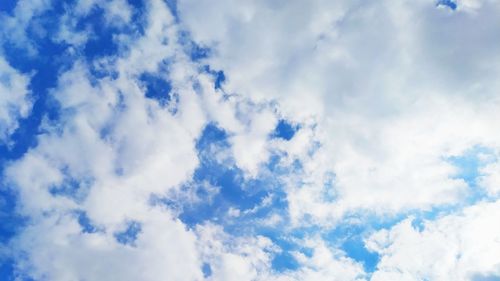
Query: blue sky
[[264, 140]]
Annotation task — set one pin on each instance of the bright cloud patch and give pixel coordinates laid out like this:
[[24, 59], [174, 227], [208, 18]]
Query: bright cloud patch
[[14, 101], [262, 140]]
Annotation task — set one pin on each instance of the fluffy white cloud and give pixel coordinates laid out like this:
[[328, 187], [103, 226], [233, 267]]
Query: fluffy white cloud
[[489, 175], [323, 264], [15, 99], [243, 258], [15, 26], [110, 151], [384, 94], [249, 258], [462, 246], [393, 89], [54, 248]]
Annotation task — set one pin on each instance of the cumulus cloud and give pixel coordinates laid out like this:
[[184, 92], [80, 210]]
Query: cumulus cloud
[[460, 246], [249, 258], [111, 149], [394, 88], [15, 26], [378, 96], [55, 248], [87, 186], [324, 264], [15, 102]]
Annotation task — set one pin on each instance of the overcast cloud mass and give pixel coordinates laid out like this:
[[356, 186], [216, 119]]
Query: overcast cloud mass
[[187, 140]]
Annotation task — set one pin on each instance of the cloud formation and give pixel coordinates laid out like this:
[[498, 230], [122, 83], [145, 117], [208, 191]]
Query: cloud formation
[[395, 88], [264, 140], [15, 102]]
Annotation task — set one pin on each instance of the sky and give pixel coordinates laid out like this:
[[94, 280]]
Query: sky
[[265, 140]]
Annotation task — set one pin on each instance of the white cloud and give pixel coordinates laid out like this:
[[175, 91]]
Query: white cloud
[[249, 258], [384, 93], [394, 89], [15, 27], [58, 250], [15, 100], [250, 147], [323, 264], [489, 175], [112, 149], [454, 247], [244, 258]]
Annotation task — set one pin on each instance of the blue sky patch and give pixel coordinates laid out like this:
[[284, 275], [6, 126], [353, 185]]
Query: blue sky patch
[[285, 130], [206, 269], [11, 222], [8, 6], [85, 223], [157, 88], [284, 261], [129, 235], [469, 165], [448, 3], [219, 76], [355, 248]]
